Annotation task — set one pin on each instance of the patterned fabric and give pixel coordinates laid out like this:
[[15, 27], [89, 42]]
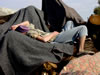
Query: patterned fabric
[[34, 33], [85, 65]]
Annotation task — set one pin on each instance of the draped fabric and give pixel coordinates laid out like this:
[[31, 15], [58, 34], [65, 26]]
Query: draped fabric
[[20, 54], [56, 13]]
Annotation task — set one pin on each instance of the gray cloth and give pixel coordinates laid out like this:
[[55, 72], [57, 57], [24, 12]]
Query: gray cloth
[[19, 54]]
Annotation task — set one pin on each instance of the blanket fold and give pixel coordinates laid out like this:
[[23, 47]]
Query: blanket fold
[[20, 54]]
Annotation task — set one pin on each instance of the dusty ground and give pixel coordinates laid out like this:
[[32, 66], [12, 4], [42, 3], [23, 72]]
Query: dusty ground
[[90, 46]]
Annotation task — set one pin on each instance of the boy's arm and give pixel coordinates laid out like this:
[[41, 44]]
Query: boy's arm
[[25, 23], [48, 37]]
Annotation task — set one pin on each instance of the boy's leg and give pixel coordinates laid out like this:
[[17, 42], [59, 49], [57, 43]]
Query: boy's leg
[[70, 35], [81, 44], [68, 25]]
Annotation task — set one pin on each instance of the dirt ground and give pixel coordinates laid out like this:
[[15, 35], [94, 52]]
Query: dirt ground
[[90, 46]]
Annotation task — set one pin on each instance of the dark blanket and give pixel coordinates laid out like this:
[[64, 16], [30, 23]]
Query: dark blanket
[[20, 54], [57, 13]]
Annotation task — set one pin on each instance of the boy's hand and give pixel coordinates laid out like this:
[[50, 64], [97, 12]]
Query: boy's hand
[[14, 27]]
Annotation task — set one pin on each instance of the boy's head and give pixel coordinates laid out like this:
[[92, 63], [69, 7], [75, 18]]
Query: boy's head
[[22, 29]]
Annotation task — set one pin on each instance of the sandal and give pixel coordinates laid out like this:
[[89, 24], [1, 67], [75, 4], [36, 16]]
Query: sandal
[[85, 53], [89, 52]]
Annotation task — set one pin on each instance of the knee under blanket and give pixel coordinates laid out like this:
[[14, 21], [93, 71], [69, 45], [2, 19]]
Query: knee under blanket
[[19, 54]]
